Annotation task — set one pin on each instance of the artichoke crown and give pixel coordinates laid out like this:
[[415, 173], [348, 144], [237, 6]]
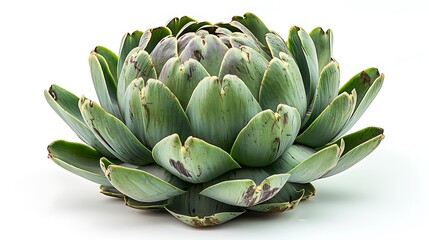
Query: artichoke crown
[[210, 120]]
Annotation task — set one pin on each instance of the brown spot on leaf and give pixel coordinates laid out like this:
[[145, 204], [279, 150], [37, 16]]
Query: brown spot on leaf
[[285, 118], [135, 63], [198, 55], [180, 168], [191, 70], [248, 198], [205, 222], [50, 155], [52, 93], [268, 192], [366, 78]]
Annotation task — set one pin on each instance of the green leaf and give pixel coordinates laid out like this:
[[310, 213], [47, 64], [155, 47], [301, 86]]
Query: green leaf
[[366, 100], [266, 136], [199, 211], [282, 84], [114, 135], [276, 44], [152, 37], [208, 50], [360, 82], [247, 64], [303, 50], [150, 183], [111, 59], [110, 191], [309, 189], [65, 104], [303, 168], [79, 159], [138, 64], [104, 83], [129, 42], [175, 24], [238, 40], [330, 122], [255, 25], [144, 205], [323, 42], [195, 161], [192, 27], [154, 112], [286, 199], [242, 189], [166, 49], [227, 103], [358, 145], [326, 91], [182, 78]]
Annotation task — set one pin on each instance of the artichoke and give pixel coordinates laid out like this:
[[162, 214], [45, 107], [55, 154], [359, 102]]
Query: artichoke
[[208, 121]]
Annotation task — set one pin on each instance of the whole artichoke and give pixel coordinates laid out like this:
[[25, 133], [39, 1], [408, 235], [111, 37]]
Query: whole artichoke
[[210, 120]]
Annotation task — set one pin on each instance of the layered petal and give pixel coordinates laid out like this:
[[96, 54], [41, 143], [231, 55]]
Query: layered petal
[[267, 135], [150, 183], [195, 161], [219, 109]]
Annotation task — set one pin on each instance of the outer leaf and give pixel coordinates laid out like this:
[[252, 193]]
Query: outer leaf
[[364, 103], [152, 37], [266, 136], [305, 170], [154, 112], [330, 122], [303, 50], [111, 191], [182, 78], [227, 103], [323, 42], [104, 83], [276, 44], [195, 161], [247, 64], [326, 91], [65, 104], [129, 42], [138, 64], [255, 25], [282, 84], [199, 211], [245, 192], [150, 183], [208, 50], [166, 49], [286, 199], [143, 205], [111, 59], [114, 135], [175, 24], [360, 83], [358, 145], [78, 159]]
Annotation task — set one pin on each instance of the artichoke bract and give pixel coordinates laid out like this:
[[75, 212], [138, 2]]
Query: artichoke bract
[[208, 121]]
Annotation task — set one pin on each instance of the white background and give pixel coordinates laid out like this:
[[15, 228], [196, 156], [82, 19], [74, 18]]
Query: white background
[[44, 42]]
